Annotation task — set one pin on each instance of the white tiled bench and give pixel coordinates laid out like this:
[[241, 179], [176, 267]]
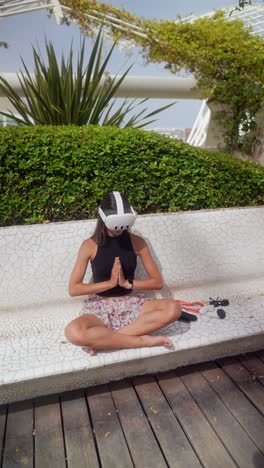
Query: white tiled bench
[[201, 254]]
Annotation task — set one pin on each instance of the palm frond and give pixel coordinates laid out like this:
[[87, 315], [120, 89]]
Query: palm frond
[[56, 94]]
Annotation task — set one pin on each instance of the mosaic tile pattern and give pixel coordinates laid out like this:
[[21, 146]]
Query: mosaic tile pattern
[[190, 248], [201, 254]]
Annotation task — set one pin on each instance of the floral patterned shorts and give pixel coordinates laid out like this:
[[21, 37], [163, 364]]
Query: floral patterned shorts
[[115, 312]]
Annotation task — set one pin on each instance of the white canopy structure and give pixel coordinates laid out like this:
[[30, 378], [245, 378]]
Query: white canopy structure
[[252, 15], [16, 7], [161, 87]]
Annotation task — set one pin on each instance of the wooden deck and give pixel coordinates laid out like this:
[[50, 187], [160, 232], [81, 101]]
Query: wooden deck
[[209, 415]]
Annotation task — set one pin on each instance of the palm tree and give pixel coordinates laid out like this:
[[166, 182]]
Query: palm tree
[[60, 96]]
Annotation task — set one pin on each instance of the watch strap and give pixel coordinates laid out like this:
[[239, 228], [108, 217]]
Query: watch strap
[[130, 283]]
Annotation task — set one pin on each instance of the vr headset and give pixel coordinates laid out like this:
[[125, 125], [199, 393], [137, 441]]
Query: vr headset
[[121, 220]]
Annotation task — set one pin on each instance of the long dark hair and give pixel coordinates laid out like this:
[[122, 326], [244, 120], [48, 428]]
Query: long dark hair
[[108, 205]]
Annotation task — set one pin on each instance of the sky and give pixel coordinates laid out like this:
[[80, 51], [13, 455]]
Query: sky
[[23, 31]]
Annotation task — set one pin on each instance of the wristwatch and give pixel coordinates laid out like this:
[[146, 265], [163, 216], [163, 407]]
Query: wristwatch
[[130, 283]]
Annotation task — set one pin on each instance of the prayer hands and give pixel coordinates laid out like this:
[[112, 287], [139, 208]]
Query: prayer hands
[[121, 280], [117, 275]]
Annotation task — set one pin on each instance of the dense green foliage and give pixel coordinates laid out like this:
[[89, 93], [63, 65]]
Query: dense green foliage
[[61, 173], [225, 58], [228, 63]]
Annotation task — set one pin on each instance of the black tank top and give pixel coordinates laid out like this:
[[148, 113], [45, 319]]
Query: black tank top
[[102, 264]]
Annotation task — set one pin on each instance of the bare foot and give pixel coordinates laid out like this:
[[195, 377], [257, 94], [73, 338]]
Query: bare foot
[[92, 351], [149, 341]]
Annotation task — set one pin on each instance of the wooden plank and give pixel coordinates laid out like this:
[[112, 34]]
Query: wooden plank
[[143, 446], [247, 415], [260, 355], [49, 444], [110, 439], [79, 441], [254, 365], [174, 444], [207, 445], [3, 418], [19, 436], [242, 377], [235, 439]]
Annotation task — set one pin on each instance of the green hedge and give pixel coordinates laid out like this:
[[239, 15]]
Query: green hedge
[[61, 173]]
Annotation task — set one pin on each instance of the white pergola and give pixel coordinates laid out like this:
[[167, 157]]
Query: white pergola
[[251, 15], [16, 7], [148, 86]]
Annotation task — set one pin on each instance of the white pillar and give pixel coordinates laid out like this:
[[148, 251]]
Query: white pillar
[[215, 138]]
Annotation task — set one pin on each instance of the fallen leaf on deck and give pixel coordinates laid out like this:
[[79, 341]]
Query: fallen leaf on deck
[[255, 377], [155, 411]]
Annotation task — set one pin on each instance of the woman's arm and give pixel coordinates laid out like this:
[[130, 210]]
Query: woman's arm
[[154, 281], [76, 285]]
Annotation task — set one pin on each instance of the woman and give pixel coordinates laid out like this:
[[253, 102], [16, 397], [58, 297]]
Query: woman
[[115, 316]]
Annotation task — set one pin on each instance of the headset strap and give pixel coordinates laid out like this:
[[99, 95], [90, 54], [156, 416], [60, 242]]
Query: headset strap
[[119, 207], [119, 203], [101, 213]]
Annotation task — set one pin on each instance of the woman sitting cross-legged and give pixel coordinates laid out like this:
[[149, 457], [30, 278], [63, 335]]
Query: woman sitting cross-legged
[[116, 315]]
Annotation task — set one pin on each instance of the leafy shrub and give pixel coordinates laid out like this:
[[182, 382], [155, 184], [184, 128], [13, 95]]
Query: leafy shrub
[[61, 173]]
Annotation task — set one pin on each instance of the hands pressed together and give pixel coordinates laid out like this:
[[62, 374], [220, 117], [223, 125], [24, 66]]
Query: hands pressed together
[[117, 275]]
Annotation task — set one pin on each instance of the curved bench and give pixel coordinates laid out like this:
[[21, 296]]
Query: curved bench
[[201, 254]]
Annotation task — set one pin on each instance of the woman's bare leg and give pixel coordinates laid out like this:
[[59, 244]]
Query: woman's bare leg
[[88, 330], [154, 315]]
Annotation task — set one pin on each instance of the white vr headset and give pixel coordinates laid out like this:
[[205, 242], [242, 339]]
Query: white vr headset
[[121, 220]]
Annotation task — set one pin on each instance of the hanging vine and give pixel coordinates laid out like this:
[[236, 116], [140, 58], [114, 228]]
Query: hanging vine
[[224, 57]]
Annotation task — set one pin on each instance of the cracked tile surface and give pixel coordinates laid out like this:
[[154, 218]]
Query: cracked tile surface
[[201, 254]]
